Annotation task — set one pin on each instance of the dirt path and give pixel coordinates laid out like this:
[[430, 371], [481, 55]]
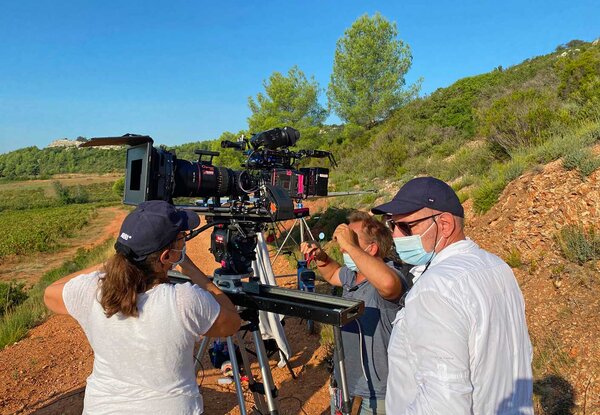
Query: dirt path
[[45, 373]]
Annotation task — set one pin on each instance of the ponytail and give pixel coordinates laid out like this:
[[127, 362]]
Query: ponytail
[[123, 280]]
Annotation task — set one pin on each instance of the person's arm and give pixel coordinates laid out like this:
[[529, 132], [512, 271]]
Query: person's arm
[[53, 295], [228, 322], [438, 335], [376, 271], [328, 268]]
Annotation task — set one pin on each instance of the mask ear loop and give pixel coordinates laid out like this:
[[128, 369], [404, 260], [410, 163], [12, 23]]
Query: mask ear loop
[[434, 247]]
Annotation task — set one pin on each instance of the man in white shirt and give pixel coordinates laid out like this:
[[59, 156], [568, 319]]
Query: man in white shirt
[[460, 345]]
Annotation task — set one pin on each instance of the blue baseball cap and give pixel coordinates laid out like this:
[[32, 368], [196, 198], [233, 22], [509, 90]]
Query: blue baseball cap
[[419, 193], [152, 226]]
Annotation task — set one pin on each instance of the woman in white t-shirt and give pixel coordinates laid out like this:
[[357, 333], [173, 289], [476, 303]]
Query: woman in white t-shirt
[[142, 328]]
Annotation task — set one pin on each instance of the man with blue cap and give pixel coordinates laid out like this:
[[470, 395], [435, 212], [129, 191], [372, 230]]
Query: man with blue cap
[[460, 345]]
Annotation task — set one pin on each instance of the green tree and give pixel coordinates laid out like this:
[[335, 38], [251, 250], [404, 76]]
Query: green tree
[[288, 100], [370, 62]]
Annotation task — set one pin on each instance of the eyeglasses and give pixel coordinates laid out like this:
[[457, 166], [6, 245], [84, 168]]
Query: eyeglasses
[[406, 227]]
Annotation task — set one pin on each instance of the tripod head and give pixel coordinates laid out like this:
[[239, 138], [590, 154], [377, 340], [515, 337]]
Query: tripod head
[[233, 244]]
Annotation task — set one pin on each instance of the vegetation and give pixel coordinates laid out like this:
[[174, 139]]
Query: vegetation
[[368, 72], [57, 195], [483, 131], [288, 100], [18, 320], [38, 230], [477, 134], [11, 294], [579, 245], [32, 162]]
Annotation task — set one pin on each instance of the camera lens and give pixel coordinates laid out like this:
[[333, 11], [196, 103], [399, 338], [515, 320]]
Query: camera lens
[[193, 179], [276, 138]]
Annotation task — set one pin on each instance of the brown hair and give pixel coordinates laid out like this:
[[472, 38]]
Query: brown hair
[[375, 232], [122, 281]]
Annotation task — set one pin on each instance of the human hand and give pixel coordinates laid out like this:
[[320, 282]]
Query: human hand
[[345, 237], [312, 248]]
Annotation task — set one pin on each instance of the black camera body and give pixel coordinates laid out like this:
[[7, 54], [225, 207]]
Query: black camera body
[[263, 192]]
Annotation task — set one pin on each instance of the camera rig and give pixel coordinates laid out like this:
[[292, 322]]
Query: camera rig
[[238, 204], [262, 193]]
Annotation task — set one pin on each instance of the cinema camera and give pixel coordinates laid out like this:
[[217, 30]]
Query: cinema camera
[[263, 192]]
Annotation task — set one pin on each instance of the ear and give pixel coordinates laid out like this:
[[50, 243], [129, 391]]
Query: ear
[[165, 257], [373, 249], [447, 224]]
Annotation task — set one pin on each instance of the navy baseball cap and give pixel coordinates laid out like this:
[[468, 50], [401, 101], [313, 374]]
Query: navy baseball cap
[[420, 193], [152, 226]]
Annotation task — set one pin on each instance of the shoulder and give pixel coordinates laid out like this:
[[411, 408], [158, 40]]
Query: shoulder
[[84, 282], [188, 292], [452, 272]]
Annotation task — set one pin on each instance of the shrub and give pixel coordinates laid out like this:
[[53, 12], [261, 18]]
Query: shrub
[[581, 159], [577, 244], [519, 119], [486, 195], [118, 187], [580, 77], [513, 258], [11, 295]]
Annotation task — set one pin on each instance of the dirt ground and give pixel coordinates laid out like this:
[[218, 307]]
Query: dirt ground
[[45, 373]]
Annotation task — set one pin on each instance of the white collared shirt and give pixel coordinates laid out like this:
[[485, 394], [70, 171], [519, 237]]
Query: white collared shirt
[[461, 345]]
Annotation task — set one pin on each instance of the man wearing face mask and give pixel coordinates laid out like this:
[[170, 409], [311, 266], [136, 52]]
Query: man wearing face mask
[[141, 328], [364, 242], [460, 345]]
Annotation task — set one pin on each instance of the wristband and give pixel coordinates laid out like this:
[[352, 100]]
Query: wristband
[[326, 262]]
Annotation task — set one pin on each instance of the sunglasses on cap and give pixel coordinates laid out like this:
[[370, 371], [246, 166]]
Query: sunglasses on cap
[[406, 227]]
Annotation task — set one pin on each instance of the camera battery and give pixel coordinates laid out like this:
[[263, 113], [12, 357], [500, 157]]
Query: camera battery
[[316, 180]]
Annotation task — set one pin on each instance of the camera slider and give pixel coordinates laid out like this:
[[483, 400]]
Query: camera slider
[[326, 309]]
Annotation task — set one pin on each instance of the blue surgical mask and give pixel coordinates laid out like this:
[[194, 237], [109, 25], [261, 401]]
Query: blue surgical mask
[[410, 249], [182, 256], [349, 262]]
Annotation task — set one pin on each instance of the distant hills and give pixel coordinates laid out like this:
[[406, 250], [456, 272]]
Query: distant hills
[[479, 133]]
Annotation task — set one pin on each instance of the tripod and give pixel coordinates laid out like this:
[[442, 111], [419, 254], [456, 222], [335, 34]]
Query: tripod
[[264, 393], [301, 222], [259, 322]]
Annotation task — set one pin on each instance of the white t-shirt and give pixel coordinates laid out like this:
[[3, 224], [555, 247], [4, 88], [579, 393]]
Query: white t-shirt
[[460, 345], [144, 364]]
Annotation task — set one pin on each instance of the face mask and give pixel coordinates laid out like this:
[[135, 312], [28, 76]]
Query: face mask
[[349, 263], [410, 249], [182, 256]]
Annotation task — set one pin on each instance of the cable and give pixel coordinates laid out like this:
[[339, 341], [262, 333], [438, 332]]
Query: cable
[[201, 370]]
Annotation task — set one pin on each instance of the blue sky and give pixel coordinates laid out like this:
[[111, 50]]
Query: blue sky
[[182, 71]]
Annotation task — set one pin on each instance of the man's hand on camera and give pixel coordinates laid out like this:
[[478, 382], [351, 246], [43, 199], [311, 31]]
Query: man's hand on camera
[[313, 249], [345, 237]]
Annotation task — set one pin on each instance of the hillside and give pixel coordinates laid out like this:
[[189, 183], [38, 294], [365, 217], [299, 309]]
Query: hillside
[[527, 229], [50, 366]]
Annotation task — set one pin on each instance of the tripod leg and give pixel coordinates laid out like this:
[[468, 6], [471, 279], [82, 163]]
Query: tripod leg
[[307, 229], [265, 370], [259, 400], [201, 351], [339, 352], [285, 240], [236, 375]]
